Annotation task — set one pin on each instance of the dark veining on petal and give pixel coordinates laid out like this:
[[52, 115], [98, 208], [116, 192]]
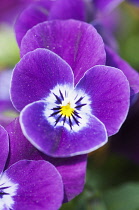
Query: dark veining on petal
[[79, 100], [74, 118], [79, 106], [70, 123], [58, 99], [61, 94], [57, 120]]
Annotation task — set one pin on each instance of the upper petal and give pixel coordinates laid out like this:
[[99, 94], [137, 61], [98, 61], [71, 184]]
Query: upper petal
[[109, 91], [36, 13], [36, 74], [78, 43]]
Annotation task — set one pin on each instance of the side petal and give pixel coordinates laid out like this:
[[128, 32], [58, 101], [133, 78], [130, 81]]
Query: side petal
[[4, 143], [77, 42], [109, 91], [39, 185], [36, 74], [58, 141], [72, 170]]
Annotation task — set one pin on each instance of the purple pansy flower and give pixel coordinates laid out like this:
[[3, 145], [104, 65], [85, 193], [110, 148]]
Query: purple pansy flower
[[72, 169], [64, 120], [28, 184]]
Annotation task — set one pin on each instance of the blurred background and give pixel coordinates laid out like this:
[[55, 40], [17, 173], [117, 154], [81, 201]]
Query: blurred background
[[112, 180]]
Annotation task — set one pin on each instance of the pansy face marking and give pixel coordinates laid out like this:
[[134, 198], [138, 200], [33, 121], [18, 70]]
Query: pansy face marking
[[68, 107], [7, 190]]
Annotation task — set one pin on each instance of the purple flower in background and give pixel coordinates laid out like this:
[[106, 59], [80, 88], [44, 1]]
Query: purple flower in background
[[28, 184], [9, 9], [113, 59], [106, 6], [64, 120], [72, 170], [44, 10]]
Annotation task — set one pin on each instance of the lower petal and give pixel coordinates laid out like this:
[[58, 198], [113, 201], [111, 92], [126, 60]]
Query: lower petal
[[39, 185], [57, 141]]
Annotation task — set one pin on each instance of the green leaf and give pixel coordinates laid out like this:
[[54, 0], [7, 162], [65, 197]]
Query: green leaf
[[9, 52], [124, 197]]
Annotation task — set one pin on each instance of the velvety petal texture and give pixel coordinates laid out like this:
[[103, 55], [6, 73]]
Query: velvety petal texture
[[113, 59], [58, 141], [109, 91], [72, 169], [34, 76], [38, 185], [4, 143], [78, 43]]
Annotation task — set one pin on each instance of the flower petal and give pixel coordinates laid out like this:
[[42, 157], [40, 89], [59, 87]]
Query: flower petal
[[39, 185], [72, 170], [36, 74], [36, 13], [109, 91], [78, 43], [58, 141], [4, 143], [68, 9]]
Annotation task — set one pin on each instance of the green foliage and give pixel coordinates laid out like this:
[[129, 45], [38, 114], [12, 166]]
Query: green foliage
[[9, 52]]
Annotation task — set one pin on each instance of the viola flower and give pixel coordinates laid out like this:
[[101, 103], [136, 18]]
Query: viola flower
[[64, 120], [72, 170], [28, 184]]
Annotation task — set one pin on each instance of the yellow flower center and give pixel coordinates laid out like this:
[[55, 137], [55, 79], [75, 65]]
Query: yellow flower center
[[66, 110]]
